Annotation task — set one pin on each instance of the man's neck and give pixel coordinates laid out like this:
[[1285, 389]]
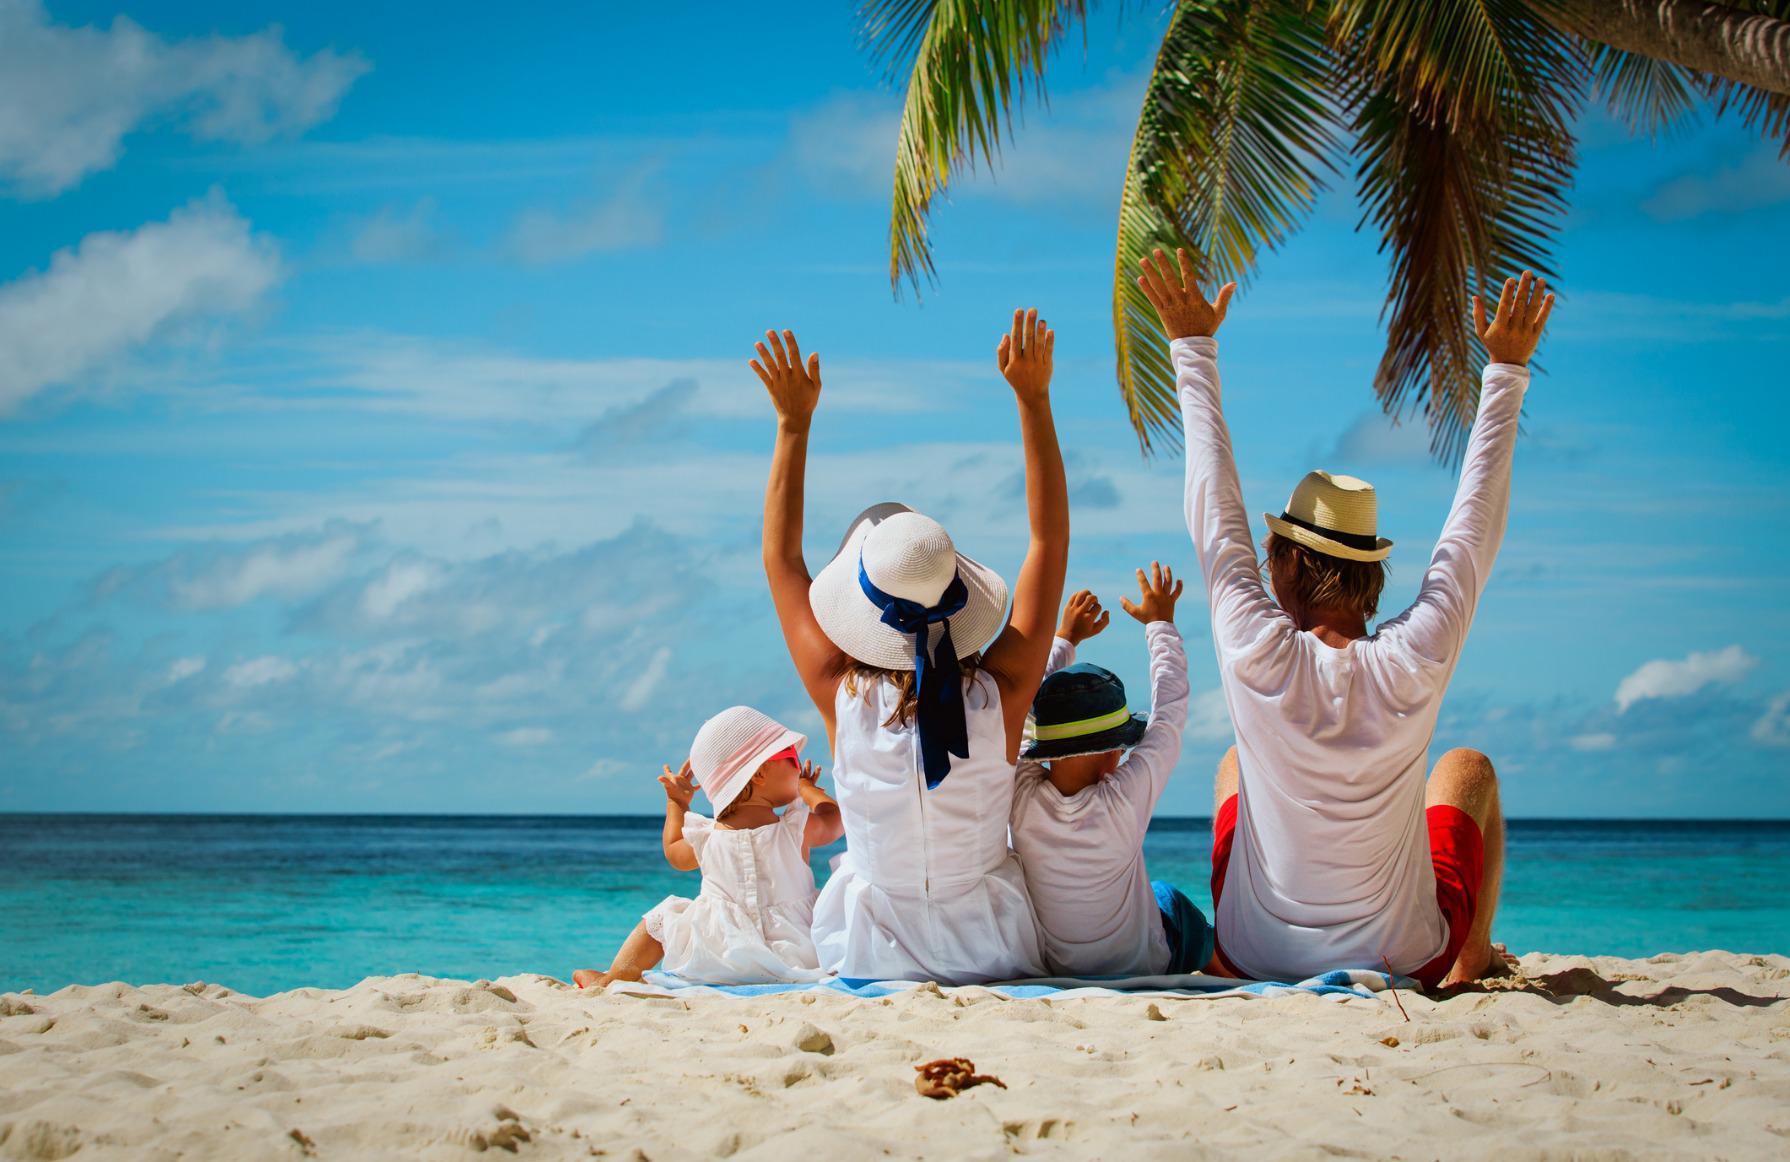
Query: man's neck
[[1335, 630]]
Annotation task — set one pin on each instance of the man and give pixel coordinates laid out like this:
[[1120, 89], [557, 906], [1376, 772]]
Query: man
[[1331, 850]]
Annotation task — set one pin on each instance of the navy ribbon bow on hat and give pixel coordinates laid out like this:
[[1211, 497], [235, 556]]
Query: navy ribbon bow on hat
[[937, 679]]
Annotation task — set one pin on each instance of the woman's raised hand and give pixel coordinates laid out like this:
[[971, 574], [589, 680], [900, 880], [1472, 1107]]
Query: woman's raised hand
[[1024, 356], [681, 787], [1176, 295], [795, 390]]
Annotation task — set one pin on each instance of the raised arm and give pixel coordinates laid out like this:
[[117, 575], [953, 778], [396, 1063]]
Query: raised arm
[[795, 391], [1216, 519], [1436, 624], [825, 824], [1017, 657], [679, 790], [1145, 772]]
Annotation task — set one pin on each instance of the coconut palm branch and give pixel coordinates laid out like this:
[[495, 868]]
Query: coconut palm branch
[[1231, 150], [1458, 114]]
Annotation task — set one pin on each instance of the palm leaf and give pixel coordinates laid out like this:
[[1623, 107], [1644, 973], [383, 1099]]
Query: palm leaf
[[1465, 155], [1228, 156], [969, 63], [1651, 96]]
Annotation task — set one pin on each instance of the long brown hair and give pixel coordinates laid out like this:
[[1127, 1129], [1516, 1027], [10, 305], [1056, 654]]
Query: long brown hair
[[903, 680], [1319, 581]]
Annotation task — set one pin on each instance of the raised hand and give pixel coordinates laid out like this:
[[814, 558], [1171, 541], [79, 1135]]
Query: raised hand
[[1024, 356], [681, 787], [1176, 296], [1515, 330], [811, 773], [795, 390], [1158, 591], [1082, 617]]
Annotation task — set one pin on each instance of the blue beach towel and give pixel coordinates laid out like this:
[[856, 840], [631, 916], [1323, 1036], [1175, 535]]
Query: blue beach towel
[[1341, 983]]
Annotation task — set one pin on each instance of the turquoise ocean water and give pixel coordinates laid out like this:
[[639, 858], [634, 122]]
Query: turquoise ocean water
[[264, 903]]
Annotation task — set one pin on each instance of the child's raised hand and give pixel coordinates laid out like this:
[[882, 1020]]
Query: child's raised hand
[[681, 787], [1024, 356], [794, 388], [1159, 591], [1082, 617], [811, 773]]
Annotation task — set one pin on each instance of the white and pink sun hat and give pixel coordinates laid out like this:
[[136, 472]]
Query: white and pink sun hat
[[730, 747]]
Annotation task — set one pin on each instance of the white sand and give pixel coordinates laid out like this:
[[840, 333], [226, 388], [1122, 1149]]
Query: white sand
[[1676, 1056]]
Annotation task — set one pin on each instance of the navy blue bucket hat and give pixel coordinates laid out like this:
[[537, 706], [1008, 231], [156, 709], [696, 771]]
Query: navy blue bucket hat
[[1080, 710]]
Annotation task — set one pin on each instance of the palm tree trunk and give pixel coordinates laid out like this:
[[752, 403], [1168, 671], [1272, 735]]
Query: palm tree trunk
[[1707, 38]]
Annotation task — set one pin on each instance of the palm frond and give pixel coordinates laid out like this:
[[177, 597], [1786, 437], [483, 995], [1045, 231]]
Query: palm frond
[[1230, 152], [1465, 156], [969, 64], [1651, 96]]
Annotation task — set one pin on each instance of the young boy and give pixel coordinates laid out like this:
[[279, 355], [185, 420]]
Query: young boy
[[1081, 805]]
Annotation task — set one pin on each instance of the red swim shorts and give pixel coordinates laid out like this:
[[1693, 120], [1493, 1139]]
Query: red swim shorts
[[1457, 851]]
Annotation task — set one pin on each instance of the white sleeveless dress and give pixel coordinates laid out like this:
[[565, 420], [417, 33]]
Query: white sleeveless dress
[[927, 888], [750, 923]]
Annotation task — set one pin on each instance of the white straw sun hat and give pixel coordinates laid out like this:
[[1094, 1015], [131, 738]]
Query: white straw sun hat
[[910, 557], [1335, 515], [729, 748]]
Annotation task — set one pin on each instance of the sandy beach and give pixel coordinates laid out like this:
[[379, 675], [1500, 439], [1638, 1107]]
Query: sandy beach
[[1585, 1058]]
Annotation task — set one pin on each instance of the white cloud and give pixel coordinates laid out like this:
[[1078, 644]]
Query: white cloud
[[69, 96], [399, 582], [118, 290], [640, 691], [1375, 440], [526, 736], [259, 672], [1666, 678], [1592, 742], [1773, 727], [391, 236], [1208, 718], [627, 219], [285, 568], [184, 668], [1761, 179]]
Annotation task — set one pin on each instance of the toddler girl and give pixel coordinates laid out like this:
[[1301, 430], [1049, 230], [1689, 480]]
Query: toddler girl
[[750, 922]]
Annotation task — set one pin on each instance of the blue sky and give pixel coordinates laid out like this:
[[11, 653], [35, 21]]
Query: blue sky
[[375, 431]]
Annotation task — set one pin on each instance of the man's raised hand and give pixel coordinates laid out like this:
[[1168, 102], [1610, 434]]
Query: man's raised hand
[[1157, 593], [1082, 617], [1024, 356], [795, 390], [1175, 293], [1515, 330]]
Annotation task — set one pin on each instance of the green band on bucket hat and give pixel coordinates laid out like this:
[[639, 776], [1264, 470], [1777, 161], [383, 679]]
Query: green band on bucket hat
[[1082, 727]]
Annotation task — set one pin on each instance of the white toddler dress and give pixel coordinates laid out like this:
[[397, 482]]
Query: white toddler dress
[[750, 923], [927, 888]]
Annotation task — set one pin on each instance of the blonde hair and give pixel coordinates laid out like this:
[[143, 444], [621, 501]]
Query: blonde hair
[[903, 681], [1319, 581]]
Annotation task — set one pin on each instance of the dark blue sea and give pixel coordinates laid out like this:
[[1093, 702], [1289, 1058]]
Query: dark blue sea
[[265, 903]]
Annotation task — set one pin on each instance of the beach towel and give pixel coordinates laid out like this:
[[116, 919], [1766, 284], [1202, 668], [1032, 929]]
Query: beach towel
[[1340, 984]]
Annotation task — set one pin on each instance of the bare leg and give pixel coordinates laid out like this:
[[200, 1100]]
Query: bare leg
[[638, 953], [1465, 779], [1224, 785]]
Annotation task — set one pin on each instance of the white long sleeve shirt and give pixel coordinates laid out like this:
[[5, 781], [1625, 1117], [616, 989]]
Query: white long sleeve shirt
[[1083, 854], [1331, 865]]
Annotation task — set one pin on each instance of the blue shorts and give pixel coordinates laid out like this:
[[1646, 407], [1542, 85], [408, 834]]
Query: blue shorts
[[1190, 938]]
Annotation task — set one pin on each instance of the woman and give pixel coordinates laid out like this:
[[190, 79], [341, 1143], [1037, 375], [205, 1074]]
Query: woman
[[925, 723]]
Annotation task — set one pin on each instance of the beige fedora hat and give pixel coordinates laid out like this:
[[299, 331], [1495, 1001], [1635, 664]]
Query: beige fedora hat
[[909, 556], [1335, 515]]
